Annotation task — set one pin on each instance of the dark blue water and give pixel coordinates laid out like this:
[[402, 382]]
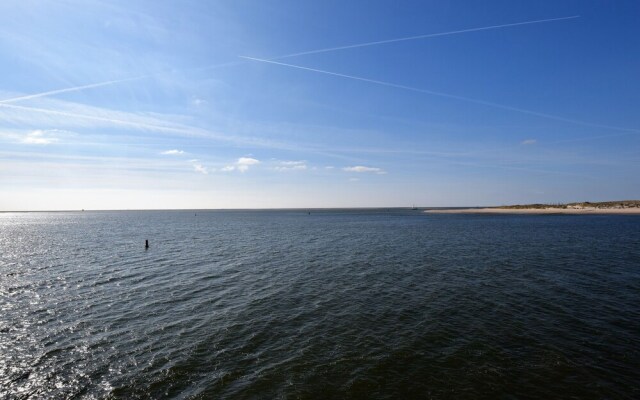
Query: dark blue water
[[336, 304]]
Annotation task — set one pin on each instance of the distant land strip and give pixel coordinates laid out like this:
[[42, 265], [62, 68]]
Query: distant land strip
[[603, 207]]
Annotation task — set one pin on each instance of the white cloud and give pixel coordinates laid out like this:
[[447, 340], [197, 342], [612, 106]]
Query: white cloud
[[360, 169], [329, 167], [291, 166], [172, 152], [244, 163], [353, 179], [292, 163], [39, 137], [247, 161], [529, 141]]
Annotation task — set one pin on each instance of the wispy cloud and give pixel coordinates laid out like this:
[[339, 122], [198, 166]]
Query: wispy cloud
[[290, 166], [198, 102], [74, 114], [71, 115], [36, 136], [200, 168], [39, 137], [361, 169], [195, 163], [529, 142], [172, 152]]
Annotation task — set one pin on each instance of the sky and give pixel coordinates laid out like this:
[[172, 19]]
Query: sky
[[306, 103]]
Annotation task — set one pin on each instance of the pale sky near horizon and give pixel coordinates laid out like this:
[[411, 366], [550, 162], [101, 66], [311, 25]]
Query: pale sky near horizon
[[277, 104]]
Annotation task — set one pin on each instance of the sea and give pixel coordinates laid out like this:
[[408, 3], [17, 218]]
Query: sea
[[318, 304]]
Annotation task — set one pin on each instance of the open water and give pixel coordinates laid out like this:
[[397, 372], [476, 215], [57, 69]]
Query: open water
[[332, 304]]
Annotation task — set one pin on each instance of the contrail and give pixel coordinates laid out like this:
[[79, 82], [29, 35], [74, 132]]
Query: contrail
[[106, 83], [582, 139], [430, 35], [500, 166], [325, 50], [70, 89], [116, 121], [450, 96]]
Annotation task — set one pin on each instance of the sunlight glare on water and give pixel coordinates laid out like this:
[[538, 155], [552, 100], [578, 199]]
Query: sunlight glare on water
[[342, 303]]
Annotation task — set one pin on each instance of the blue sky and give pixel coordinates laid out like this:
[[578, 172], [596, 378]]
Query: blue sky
[[125, 105]]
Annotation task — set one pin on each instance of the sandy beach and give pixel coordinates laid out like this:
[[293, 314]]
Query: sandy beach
[[586, 210]]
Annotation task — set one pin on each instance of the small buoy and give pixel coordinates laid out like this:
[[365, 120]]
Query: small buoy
[[146, 244]]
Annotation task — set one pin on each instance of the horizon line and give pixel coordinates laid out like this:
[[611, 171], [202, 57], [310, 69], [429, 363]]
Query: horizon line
[[306, 208]]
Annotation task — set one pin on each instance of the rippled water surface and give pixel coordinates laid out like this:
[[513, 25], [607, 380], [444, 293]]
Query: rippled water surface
[[332, 304]]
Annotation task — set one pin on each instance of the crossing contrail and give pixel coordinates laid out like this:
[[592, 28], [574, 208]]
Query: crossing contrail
[[325, 50], [429, 35], [450, 96]]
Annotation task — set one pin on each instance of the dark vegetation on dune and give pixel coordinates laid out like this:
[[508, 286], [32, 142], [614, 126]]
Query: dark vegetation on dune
[[602, 204]]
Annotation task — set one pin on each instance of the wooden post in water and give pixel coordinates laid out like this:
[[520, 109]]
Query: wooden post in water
[[146, 244]]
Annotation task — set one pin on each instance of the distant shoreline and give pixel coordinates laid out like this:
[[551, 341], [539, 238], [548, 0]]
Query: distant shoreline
[[573, 211], [603, 207], [628, 207]]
